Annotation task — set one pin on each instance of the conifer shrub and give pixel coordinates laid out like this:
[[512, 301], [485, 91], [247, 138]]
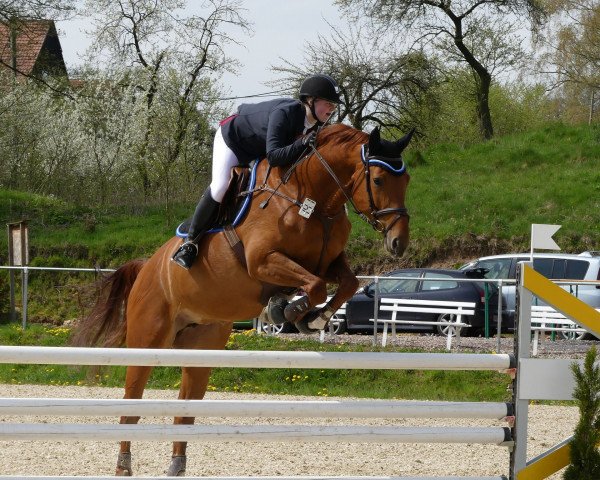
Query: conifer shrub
[[585, 457]]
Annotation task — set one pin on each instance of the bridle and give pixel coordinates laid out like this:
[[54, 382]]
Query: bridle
[[368, 161]]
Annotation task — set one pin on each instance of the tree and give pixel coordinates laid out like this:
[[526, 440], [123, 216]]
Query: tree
[[472, 31], [572, 55], [162, 51], [376, 86], [40, 9]]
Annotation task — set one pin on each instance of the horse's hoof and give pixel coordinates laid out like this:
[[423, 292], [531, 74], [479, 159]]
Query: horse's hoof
[[307, 323], [275, 310], [296, 308], [177, 468], [124, 465]]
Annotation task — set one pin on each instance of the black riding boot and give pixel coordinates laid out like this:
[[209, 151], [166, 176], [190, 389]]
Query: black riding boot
[[202, 220]]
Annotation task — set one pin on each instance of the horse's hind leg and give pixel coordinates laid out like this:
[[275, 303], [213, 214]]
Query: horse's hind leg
[[194, 381], [135, 382], [153, 329]]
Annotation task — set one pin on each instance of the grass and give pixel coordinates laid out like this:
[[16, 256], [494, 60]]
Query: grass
[[497, 189], [384, 384]]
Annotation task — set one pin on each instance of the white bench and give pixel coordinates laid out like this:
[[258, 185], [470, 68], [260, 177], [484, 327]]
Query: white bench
[[397, 305], [546, 319]]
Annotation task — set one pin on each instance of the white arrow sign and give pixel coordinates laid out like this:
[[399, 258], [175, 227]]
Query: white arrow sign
[[541, 237]]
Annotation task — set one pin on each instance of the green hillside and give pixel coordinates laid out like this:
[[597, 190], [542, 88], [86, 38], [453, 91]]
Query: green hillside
[[464, 201], [482, 199]]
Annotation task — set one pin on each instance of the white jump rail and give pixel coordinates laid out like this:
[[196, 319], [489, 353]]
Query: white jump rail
[[400, 305], [255, 359], [546, 319], [254, 408], [255, 433]]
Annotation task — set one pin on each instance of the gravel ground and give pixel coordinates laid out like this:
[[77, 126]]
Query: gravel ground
[[430, 342], [548, 425]]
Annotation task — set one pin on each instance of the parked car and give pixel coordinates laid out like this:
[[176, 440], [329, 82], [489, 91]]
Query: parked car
[[555, 266], [423, 284]]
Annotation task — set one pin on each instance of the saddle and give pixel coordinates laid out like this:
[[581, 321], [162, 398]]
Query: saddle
[[234, 206]]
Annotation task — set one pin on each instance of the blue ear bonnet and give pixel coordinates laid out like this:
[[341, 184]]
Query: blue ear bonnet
[[395, 166]]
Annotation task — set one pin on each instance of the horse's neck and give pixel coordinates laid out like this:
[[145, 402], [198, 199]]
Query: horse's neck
[[332, 198]]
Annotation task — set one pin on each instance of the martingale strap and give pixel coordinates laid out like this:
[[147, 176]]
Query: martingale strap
[[268, 289]]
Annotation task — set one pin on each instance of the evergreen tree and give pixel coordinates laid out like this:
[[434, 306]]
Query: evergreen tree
[[585, 457]]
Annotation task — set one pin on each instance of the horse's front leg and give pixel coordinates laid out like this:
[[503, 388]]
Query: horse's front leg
[[277, 269], [339, 272]]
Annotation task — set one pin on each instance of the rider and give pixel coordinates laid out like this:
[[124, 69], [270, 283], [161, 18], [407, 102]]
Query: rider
[[257, 130]]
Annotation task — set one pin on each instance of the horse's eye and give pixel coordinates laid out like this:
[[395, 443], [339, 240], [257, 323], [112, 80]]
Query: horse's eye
[[378, 181]]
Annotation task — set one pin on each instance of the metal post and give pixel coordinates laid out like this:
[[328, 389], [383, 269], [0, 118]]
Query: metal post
[[499, 319], [486, 309], [375, 310], [13, 312], [518, 456], [25, 279]]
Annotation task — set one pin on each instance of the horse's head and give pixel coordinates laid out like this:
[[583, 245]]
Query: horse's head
[[381, 193]]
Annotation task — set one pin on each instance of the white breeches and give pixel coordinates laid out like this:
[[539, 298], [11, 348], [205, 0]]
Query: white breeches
[[223, 161]]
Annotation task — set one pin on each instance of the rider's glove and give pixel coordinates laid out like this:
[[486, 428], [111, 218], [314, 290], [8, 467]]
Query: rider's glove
[[309, 139]]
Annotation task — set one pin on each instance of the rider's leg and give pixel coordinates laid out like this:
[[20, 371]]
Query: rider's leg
[[223, 161], [202, 221]]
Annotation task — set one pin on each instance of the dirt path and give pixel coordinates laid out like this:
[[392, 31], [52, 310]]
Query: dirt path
[[548, 426]]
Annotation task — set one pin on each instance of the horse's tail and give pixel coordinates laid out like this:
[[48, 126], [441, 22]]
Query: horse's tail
[[106, 325]]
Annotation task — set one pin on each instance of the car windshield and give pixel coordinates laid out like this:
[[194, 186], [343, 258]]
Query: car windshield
[[496, 268], [390, 285]]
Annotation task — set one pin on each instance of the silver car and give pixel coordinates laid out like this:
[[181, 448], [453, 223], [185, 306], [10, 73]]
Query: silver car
[[556, 266]]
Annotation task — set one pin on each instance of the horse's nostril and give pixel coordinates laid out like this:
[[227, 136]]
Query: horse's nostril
[[395, 244]]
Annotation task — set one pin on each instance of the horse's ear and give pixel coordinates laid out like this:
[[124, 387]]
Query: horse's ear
[[405, 140], [374, 140]]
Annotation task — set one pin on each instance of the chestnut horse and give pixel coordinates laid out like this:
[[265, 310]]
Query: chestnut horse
[[169, 307]]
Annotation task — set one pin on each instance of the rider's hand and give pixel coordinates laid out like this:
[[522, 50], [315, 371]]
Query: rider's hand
[[309, 139]]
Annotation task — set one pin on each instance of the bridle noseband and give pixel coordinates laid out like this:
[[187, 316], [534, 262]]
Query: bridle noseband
[[368, 161]]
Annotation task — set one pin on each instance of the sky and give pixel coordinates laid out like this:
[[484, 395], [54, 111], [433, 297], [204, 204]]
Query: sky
[[281, 28]]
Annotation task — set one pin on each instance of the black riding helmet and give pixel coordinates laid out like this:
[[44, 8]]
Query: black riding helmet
[[320, 86]]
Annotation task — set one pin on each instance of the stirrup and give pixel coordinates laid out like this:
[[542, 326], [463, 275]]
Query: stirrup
[[185, 255]]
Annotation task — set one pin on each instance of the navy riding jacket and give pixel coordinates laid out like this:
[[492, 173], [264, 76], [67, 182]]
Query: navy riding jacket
[[266, 129]]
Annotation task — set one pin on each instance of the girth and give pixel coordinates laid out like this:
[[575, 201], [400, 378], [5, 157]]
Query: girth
[[268, 289]]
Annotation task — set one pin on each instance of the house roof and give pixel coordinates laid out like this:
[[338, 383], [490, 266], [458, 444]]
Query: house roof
[[37, 41]]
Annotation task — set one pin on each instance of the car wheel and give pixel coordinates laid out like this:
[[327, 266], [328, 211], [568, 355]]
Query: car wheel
[[339, 324], [286, 327], [448, 318], [575, 335]]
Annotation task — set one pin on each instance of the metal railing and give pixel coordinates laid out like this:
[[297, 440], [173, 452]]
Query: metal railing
[[375, 280], [25, 285]]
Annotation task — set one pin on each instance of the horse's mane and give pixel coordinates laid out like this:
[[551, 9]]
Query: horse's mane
[[341, 134]]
